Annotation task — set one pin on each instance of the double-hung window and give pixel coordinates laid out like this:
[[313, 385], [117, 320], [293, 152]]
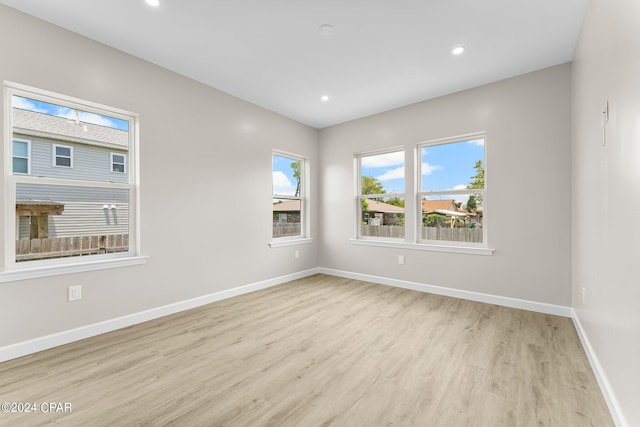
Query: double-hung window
[[289, 188], [62, 156], [451, 191], [67, 205], [21, 156], [118, 163], [380, 201]]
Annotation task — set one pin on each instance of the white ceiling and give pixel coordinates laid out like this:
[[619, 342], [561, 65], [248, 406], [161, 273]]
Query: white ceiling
[[383, 54]]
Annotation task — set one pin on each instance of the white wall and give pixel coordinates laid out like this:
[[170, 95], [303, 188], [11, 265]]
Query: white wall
[[528, 201], [205, 183], [606, 188]]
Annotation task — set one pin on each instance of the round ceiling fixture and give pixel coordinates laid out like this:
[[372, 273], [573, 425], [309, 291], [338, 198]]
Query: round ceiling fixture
[[458, 50], [326, 30], [154, 3], [324, 98]]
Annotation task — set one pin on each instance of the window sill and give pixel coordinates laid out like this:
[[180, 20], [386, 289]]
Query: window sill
[[292, 242], [473, 250], [56, 270]]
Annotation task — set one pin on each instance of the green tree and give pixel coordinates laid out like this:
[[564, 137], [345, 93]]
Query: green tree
[[396, 201], [364, 205], [296, 174], [477, 180], [471, 204], [371, 185]]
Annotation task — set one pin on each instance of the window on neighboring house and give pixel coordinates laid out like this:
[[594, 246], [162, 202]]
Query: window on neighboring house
[[118, 163], [451, 190], [74, 207], [62, 156], [380, 204], [21, 156], [288, 196]]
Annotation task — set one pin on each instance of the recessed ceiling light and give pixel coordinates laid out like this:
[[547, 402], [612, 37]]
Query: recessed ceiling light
[[324, 98], [153, 3], [326, 30], [458, 50]]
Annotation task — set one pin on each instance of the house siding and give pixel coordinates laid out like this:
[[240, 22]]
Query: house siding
[[84, 209], [91, 163]]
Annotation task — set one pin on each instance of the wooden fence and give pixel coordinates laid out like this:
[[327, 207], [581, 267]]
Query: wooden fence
[[469, 235], [282, 229], [382, 230], [59, 247]]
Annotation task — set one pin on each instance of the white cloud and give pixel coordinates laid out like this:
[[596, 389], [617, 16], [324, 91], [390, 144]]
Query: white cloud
[[282, 184], [427, 169], [382, 160], [397, 173], [85, 117], [478, 142], [25, 104], [67, 113]]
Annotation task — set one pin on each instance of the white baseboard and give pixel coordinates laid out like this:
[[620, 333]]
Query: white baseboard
[[54, 340], [609, 396], [540, 307]]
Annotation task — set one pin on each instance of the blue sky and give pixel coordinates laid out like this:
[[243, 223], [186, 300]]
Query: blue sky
[[69, 113], [283, 181], [444, 167]]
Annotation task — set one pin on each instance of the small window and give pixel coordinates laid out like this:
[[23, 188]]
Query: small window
[[21, 157], [381, 195], [288, 196], [118, 163], [451, 179], [62, 156]]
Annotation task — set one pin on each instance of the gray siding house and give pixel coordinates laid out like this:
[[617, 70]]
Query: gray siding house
[[56, 147]]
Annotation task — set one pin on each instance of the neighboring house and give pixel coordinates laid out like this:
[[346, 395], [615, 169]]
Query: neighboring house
[[56, 147], [286, 212], [449, 209], [379, 213]]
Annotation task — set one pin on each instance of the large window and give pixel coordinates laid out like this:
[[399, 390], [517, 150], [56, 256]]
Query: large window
[[381, 198], [288, 179], [451, 180], [64, 199]]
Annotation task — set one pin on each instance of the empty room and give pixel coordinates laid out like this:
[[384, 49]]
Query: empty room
[[320, 213]]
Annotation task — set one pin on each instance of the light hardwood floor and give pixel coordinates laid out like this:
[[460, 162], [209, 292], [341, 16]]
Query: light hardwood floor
[[320, 351]]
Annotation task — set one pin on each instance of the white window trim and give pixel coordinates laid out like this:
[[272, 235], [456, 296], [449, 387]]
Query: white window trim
[[420, 194], [471, 250], [54, 163], [358, 163], [49, 267], [28, 142], [305, 232], [112, 162]]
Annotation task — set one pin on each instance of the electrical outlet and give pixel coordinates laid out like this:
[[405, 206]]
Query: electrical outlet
[[296, 254], [401, 259], [75, 292], [584, 295]]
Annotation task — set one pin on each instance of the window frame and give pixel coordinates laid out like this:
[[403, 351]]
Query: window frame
[[359, 196], [54, 266], [420, 193], [25, 141], [54, 161], [112, 163], [304, 236]]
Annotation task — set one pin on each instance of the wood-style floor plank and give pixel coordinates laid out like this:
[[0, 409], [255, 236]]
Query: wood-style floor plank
[[320, 351]]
